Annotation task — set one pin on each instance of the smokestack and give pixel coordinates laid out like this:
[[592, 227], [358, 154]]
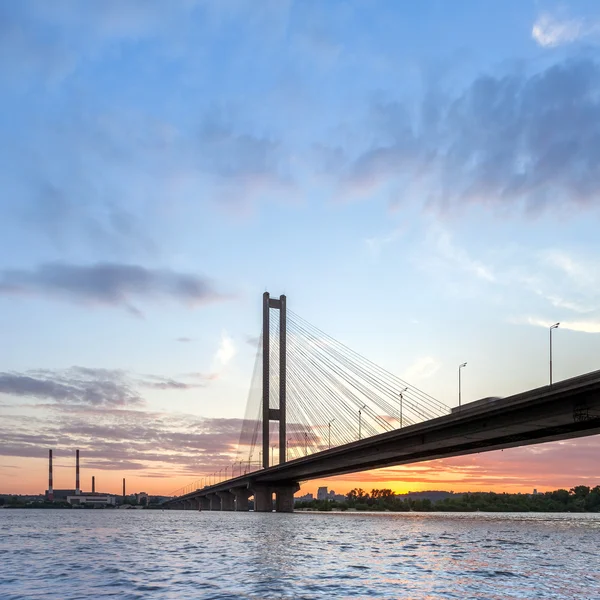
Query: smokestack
[[123, 487], [93, 485], [50, 490], [77, 491]]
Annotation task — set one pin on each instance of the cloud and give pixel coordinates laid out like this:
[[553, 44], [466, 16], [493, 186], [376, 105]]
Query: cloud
[[225, 352], [423, 368], [375, 245], [552, 30], [109, 284], [162, 383], [581, 273], [457, 257], [183, 339], [73, 386], [88, 387], [97, 180], [513, 139], [583, 325], [114, 439]]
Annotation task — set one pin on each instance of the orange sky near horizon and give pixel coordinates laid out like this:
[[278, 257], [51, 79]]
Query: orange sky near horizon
[[543, 467]]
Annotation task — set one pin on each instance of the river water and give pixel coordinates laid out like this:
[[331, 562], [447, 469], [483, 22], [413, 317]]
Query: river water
[[178, 555]]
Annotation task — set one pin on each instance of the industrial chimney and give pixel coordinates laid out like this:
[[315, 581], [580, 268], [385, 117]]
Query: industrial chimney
[[93, 485], [77, 491], [50, 490], [123, 487]]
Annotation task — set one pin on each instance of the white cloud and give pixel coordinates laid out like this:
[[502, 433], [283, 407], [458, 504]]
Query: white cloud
[[585, 326], [422, 368], [584, 274], [460, 258], [551, 30], [225, 352], [376, 244]]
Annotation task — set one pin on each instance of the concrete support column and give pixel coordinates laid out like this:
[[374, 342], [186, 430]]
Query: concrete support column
[[204, 503], [187, 505], [215, 502], [284, 497], [194, 504], [241, 498], [227, 500], [263, 499]]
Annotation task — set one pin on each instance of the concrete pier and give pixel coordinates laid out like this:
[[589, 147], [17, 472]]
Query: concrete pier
[[215, 501], [263, 499], [227, 500], [204, 503], [241, 499], [284, 497]]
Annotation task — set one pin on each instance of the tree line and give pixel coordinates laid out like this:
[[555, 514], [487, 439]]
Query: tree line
[[580, 498]]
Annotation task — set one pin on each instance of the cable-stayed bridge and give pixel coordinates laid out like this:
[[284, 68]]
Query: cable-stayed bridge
[[316, 408]]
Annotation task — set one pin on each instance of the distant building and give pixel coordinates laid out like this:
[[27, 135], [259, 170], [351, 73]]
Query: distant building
[[534, 492], [92, 499], [60, 495], [142, 498], [322, 493], [305, 498]]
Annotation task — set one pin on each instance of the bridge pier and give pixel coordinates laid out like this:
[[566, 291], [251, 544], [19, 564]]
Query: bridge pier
[[284, 497], [227, 500], [204, 503], [215, 501], [263, 498], [194, 504], [241, 498]]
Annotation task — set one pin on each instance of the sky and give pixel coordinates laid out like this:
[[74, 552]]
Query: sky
[[419, 179]]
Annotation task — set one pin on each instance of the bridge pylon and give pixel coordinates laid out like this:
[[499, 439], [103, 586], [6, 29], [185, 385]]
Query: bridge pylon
[[273, 414]]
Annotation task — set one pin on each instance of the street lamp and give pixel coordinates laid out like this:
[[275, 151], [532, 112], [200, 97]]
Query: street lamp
[[305, 443], [360, 419], [459, 388], [401, 397], [551, 328], [329, 436]]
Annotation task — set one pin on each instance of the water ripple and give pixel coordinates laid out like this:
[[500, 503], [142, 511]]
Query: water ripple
[[173, 555]]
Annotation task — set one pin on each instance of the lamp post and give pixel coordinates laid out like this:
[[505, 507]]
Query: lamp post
[[551, 328], [329, 432], [401, 398], [459, 386], [360, 419], [305, 443]]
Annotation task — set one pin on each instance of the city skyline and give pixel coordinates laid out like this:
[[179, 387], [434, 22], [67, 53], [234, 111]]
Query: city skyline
[[420, 183]]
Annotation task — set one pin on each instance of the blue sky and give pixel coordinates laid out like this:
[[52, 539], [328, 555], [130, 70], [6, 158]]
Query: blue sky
[[420, 180]]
